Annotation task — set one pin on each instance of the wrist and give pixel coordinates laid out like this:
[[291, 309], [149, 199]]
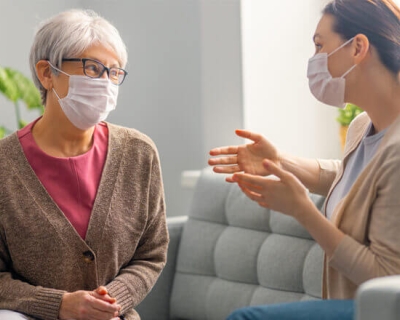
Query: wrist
[[306, 212], [64, 301], [282, 161]]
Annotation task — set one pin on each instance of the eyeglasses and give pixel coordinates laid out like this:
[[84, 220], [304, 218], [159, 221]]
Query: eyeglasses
[[95, 69]]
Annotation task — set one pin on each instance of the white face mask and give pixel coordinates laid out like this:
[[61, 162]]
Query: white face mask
[[325, 88], [88, 101]]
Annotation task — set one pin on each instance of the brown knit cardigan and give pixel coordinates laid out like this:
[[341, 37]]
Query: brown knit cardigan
[[41, 254]]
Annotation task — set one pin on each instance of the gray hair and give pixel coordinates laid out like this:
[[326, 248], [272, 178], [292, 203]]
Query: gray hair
[[67, 35]]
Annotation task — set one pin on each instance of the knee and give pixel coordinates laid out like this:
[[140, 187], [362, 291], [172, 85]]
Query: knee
[[11, 315], [239, 314]]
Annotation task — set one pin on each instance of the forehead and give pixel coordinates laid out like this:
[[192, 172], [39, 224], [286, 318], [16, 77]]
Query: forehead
[[324, 28], [101, 53]]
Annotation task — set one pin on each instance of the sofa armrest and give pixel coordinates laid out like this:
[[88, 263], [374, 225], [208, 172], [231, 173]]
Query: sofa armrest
[[379, 298], [156, 304]]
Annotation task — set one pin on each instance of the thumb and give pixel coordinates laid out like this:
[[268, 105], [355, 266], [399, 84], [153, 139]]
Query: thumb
[[101, 291], [255, 137], [277, 171], [104, 292]]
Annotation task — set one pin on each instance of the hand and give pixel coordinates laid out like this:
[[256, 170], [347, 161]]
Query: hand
[[247, 158], [102, 293], [283, 192], [89, 305]]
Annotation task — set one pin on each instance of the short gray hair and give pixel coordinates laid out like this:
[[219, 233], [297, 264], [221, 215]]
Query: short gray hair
[[68, 34]]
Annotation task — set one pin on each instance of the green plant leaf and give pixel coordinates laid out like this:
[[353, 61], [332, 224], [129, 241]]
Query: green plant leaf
[[25, 89], [16, 87], [2, 132], [7, 86], [347, 114]]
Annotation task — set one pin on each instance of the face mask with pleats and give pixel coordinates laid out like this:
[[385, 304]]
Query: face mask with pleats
[[326, 89], [89, 101]]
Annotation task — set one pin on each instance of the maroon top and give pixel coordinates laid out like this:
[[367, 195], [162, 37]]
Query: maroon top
[[71, 182]]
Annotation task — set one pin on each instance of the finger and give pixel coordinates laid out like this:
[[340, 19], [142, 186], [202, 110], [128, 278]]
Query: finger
[[101, 290], [255, 196], [226, 169], [104, 306], [224, 150], [105, 297], [104, 303], [102, 293], [255, 137], [97, 309], [223, 160], [251, 187], [94, 314], [276, 170], [263, 204], [248, 179]]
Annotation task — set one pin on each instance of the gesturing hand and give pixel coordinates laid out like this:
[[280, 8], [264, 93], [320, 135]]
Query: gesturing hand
[[283, 192], [247, 158], [89, 305]]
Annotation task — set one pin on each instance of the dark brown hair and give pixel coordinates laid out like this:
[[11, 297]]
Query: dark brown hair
[[378, 20]]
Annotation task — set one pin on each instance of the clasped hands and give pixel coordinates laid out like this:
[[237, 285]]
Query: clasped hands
[[257, 169], [89, 305]]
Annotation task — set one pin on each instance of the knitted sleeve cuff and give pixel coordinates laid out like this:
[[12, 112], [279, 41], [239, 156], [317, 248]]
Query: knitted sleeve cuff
[[119, 291], [46, 303]]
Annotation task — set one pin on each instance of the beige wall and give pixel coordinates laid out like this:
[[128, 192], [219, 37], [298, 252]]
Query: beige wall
[[277, 43]]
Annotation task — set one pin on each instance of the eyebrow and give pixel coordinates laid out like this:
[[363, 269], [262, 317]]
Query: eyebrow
[[115, 65]]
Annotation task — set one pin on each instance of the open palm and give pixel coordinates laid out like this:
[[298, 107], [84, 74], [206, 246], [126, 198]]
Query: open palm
[[247, 158]]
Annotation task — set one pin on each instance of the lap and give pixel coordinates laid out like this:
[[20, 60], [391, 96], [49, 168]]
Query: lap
[[303, 310], [11, 315]]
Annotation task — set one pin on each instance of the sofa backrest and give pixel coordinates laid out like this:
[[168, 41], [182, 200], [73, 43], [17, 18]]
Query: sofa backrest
[[234, 253]]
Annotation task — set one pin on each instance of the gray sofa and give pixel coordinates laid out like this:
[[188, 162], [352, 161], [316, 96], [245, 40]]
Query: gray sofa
[[228, 252]]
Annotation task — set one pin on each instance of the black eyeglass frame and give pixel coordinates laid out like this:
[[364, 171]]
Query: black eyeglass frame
[[83, 60]]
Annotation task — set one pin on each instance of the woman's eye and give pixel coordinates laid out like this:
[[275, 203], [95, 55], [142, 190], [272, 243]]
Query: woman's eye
[[318, 47], [92, 68]]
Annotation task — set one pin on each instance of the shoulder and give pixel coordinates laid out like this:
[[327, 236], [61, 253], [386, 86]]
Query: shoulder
[[360, 123], [7, 141], [11, 157], [132, 138], [391, 141], [356, 131], [386, 160], [8, 144]]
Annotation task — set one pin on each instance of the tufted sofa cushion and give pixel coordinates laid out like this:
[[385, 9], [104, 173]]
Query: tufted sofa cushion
[[234, 253]]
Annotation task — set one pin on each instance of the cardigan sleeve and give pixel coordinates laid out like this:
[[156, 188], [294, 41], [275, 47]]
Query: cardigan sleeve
[[16, 293], [20, 296], [136, 279], [328, 170]]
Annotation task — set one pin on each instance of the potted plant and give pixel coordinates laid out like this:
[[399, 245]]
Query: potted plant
[[16, 88], [346, 115]]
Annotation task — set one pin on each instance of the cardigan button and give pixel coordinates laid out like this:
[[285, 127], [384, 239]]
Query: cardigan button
[[88, 256]]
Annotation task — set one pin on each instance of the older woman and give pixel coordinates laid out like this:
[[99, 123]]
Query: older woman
[[82, 216], [357, 60]]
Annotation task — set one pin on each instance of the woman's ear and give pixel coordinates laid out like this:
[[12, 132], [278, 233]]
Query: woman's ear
[[361, 48], [44, 74]]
